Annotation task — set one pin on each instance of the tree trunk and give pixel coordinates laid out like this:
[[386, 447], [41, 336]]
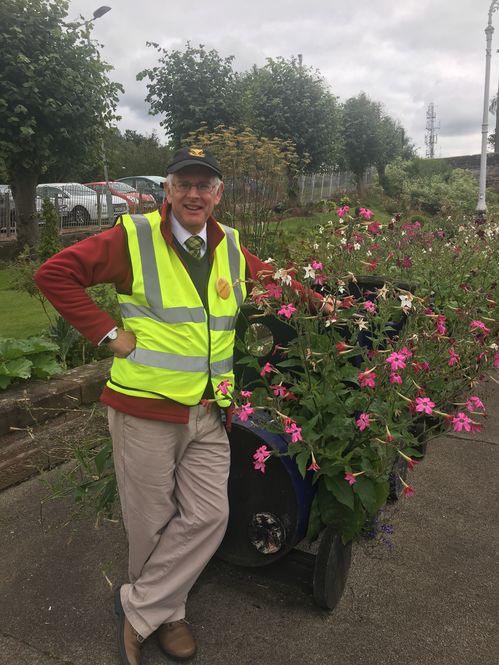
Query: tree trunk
[[496, 138], [24, 192], [359, 177]]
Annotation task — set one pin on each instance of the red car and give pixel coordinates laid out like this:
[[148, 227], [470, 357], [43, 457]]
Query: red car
[[137, 202]]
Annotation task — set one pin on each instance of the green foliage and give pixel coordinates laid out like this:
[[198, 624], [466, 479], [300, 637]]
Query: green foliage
[[256, 172], [127, 153], [371, 137], [432, 187], [192, 87], [50, 240], [26, 358], [39, 55], [292, 102]]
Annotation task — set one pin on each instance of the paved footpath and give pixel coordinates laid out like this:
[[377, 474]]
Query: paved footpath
[[432, 599]]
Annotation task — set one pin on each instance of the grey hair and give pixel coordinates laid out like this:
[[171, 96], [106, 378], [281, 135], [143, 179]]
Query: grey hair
[[214, 179]]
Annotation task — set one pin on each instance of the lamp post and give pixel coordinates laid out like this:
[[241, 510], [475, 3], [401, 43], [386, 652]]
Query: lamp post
[[481, 207], [100, 11]]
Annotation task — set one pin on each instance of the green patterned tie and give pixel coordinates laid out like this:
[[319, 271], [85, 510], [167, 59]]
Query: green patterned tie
[[194, 245]]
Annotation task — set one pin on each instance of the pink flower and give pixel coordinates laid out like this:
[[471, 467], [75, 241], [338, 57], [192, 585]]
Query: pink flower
[[496, 360], [441, 329], [473, 403], [366, 379], [411, 463], [260, 457], [396, 361], [395, 378], [341, 347], [267, 369], [317, 265], [223, 387], [406, 262], [405, 352], [244, 411], [292, 428], [274, 290], [374, 228], [246, 393], [460, 422], [363, 421], [454, 358], [342, 210], [365, 213], [479, 325], [350, 478], [313, 465], [287, 310], [424, 405], [369, 307], [279, 390], [408, 491]]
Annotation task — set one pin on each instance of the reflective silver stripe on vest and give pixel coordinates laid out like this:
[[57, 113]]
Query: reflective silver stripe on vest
[[147, 257], [168, 315], [222, 323], [171, 361], [235, 257], [221, 366]]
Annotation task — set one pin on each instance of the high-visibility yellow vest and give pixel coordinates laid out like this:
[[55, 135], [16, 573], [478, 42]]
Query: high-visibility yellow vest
[[179, 343]]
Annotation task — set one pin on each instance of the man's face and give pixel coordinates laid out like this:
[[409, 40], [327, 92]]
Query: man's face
[[190, 205]]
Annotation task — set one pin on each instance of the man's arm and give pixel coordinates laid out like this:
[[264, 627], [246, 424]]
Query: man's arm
[[102, 258]]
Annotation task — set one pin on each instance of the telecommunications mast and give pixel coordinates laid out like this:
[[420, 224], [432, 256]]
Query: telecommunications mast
[[431, 131]]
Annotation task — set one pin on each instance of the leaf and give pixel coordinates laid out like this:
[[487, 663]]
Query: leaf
[[19, 368], [342, 491], [371, 493], [302, 459]]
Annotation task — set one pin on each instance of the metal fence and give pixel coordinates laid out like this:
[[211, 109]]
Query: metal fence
[[315, 187], [75, 209]]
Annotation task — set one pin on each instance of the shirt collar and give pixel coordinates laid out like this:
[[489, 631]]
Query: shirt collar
[[182, 235]]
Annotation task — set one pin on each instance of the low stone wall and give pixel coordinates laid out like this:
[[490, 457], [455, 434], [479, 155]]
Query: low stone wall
[[37, 418]]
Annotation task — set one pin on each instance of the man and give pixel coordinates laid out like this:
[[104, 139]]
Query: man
[[180, 279]]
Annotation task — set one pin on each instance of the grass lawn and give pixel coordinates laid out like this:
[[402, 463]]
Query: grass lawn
[[21, 315]]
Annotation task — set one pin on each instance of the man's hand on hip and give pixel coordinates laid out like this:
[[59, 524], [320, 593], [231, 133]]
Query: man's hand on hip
[[124, 344]]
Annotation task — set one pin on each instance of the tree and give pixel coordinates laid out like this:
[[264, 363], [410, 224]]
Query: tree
[[287, 100], [191, 88], [371, 138], [56, 98]]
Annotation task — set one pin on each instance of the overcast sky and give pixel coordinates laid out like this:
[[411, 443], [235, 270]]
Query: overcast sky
[[405, 54]]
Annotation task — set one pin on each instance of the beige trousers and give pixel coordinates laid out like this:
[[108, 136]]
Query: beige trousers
[[172, 482]]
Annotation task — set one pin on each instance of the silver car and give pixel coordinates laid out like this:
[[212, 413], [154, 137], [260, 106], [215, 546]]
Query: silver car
[[80, 205]]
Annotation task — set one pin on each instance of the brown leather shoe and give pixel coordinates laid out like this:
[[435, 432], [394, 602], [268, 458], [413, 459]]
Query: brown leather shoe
[[129, 641], [176, 640]]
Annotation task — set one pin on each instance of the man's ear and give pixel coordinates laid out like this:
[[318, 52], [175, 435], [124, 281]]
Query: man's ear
[[219, 193], [166, 187]]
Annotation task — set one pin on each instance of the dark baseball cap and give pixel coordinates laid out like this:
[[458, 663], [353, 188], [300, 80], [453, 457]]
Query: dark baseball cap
[[193, 156]]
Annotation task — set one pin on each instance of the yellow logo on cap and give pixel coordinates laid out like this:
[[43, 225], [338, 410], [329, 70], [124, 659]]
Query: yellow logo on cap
[[196, 152]]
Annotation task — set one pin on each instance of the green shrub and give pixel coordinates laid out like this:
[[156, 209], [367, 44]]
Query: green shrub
[[25, 358]]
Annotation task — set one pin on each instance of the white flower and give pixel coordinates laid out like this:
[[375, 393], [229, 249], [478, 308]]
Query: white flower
[[405, 301], [309, 272], [356, 245], [369, 253], [321, 230], [343, 241], [282, 276], [270, 260], [316, 246]]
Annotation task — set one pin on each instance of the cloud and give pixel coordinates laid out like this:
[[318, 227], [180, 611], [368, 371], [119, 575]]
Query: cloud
[[404, 55]]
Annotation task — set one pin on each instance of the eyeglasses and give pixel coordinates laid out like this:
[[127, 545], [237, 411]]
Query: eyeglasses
[[185, 186]]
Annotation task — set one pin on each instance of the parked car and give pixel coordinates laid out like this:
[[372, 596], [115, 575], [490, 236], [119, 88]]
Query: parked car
[[79, 204], [147, 184], [137, 201]]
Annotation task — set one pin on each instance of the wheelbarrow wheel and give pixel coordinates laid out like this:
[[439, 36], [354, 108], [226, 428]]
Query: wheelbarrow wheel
[[332, 564]]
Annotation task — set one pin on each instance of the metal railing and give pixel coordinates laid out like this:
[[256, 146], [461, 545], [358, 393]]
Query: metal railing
[[314, 187]]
